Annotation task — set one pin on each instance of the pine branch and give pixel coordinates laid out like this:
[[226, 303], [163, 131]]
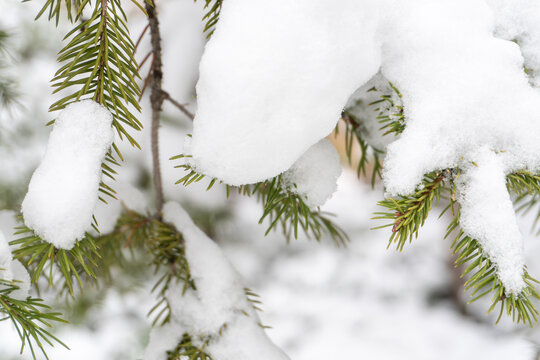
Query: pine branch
[[483, 279], [99, 65], [8, 89], [162, 243], [42, 258], [281, 206], [186, 350], [213, 9], [54, 8], [407, 214], [526, 187], [353, 131], [391, 114], [31, 319]]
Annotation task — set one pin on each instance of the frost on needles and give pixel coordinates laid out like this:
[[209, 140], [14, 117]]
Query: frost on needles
[[64, 188], [466, 72]]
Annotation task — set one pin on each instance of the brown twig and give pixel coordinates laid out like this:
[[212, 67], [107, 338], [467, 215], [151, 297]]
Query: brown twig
[[141, 37], [156, 100], [145, 59], [147, 79], [181, 107]]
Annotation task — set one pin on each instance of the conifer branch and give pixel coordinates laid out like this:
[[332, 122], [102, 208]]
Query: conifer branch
[[186, 349], [162, 243], [213, 9], [282, 207], [353, 131], [73, 9], [407, 214], [390, 116], [31, 319], [99, 64], [483, 279], [42, 258], [8, 88]]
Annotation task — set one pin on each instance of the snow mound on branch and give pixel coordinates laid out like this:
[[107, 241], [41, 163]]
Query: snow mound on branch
[[517, 20], [268, 94], [467, 99], [14, 271], [218, 308], [314, 175], [487, 215], [463, 89], [64, 189]]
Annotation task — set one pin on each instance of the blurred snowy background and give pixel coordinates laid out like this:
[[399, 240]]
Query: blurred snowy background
[[322, 302]]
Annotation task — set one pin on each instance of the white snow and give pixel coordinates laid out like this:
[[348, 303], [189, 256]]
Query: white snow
[[218, 305], [487, 215], [462, 88], [517, 20], [266, 95], [314, 175], [64, 189], [467, 99]]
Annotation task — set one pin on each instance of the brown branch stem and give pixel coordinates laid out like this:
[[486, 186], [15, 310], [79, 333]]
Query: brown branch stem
[[156, 100], [181, 107]]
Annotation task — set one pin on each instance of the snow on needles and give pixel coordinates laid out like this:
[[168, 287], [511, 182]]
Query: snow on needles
[[266, 95], [218, 308], [64, 189], [487, 215], [465, 68], [314, 175]]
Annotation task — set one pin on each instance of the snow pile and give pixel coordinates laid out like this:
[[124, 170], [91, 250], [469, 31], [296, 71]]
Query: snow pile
[[467, 99], [314, 175], [268, 94], [218, 308], [487, 215], [13, 271], [463, 89], [64, 189], [517, 20]]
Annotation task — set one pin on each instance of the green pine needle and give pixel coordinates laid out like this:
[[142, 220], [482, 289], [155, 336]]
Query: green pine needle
[[483, 279], [407, 214], [31, 318], [282, 207], [211, 16], [186, 349], [98, 63], [76, 265]]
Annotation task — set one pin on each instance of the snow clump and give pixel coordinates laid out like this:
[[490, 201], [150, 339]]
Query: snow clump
[[64, 188]]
